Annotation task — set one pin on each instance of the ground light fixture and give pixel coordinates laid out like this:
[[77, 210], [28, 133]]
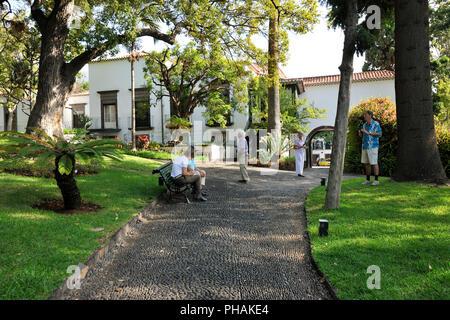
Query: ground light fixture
[[323, 181], [323, 228]]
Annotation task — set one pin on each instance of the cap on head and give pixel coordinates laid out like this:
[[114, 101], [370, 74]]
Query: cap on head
[[370, 113]]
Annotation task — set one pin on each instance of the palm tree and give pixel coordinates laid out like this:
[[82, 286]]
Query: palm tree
[[418, 155], [65, 153]]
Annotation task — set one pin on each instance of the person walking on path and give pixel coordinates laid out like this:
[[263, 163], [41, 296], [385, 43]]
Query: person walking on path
[[242, 156], [371, 133], [299, 147], [179, 173]]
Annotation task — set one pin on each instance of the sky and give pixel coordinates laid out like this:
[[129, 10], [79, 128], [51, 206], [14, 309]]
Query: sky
[[317, 53]]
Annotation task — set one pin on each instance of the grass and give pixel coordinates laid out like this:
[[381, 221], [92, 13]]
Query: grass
[[37, 246], [404, 228], [151, 154]]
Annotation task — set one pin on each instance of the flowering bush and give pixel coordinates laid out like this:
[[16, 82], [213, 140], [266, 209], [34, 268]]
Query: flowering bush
[[143, 142], [443, 141]]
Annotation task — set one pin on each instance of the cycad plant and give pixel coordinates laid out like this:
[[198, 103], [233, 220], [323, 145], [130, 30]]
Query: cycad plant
[[65, 153], [274, 144]]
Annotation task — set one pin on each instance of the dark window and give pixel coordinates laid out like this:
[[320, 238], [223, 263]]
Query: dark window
[[77, 111], [142, 109], [109, 109]]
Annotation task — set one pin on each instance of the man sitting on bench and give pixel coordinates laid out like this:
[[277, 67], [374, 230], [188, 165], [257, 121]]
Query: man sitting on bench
[[180, 173]]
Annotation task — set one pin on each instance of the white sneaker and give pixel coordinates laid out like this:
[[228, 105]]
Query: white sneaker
[[366, 182], [375, 183]]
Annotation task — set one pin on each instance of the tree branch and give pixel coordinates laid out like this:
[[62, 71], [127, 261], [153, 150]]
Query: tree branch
[[38, 15], [90, 54]]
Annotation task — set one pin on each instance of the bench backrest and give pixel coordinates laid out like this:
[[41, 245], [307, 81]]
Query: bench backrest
[[165, 172]]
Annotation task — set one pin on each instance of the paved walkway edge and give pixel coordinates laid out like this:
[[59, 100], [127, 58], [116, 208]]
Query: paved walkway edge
[[116, 238], [326, 281]]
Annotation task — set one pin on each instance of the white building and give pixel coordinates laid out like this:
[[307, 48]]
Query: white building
[[77, 104], [109, 102]]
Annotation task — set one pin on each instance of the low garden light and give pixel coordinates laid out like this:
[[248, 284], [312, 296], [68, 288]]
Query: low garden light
[[323, 181], [323, 228]]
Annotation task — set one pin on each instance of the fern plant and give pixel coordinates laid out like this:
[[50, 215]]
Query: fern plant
[[65, 153]]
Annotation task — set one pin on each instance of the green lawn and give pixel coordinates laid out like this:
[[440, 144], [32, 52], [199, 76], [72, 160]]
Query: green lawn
[[37, 246], [404, 228]]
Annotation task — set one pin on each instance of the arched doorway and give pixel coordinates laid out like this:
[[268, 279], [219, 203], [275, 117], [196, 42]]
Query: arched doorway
[[309, 139]]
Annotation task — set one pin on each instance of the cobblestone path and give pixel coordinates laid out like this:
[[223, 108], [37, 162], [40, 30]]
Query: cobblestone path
[[246, 242]]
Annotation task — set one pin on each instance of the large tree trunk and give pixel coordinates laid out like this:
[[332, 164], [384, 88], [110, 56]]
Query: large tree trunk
[[56, 77], [274, 117], [340, 127], [418, 155], [68, 186]]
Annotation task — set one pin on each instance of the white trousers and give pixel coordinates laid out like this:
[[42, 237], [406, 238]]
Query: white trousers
[[299, 162]]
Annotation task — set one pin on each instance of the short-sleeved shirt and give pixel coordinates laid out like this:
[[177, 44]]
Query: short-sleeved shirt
[[369, 141], [178, 164], [242, 145], [192, 164]]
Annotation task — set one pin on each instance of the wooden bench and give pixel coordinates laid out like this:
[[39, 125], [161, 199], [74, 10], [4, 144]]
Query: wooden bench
[[172, 185]]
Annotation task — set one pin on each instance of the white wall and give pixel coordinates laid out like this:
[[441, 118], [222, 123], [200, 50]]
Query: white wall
[[116, 75], [326, 96], [75, 99]]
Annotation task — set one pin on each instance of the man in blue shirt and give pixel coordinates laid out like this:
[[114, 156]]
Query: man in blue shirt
[[371, 133]]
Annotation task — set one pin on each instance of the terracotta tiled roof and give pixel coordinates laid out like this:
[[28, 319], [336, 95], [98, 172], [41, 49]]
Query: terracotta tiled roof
[[357, 77], [120, 57], [258, 70]]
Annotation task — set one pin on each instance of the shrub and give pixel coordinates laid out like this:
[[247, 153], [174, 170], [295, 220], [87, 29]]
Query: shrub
[[143, 142], [443, 141], [385, 114]]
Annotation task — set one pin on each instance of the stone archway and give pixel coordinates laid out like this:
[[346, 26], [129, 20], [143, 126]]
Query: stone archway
[[309, 139]]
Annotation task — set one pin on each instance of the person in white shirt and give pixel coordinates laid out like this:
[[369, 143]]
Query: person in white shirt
[[180, 172], [299, 147], [242, 156]]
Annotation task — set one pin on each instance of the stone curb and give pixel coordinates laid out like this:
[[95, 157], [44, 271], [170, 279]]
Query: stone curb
[[116, 238], [323, 278]]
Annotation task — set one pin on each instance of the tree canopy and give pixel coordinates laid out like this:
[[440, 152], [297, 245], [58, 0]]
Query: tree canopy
[[196, 75]]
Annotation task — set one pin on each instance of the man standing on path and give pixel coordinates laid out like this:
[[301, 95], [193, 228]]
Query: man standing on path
[[242, 156], [299, 147], [371, 133], [180, 173]]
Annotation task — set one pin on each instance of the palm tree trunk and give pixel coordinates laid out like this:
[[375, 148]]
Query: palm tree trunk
[[340, 127], [418, 155], [68, 186], [274, 117]]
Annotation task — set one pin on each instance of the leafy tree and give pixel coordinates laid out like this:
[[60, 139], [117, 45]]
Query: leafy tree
[[197, 75], [345, 15], [65, 154], [74, 32], [20, 46], [71, 38], [284, 15], [296, 113], [381, 55]]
